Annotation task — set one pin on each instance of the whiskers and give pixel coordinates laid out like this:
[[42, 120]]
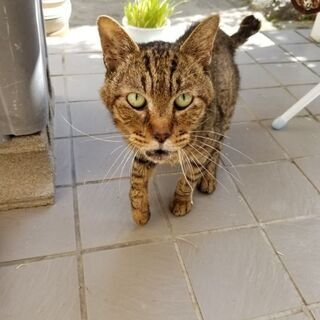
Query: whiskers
[[91, 136]]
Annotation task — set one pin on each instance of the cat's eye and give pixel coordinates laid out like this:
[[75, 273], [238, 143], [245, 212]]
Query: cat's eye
[[183, 101], [136, 100]]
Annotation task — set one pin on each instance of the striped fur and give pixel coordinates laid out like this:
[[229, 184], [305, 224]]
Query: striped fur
[[200, 63]]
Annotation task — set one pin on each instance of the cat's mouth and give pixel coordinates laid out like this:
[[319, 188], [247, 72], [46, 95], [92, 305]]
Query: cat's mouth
[[158, 154]]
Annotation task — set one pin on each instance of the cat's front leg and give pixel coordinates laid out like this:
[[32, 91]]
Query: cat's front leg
[[141, 171], [182, 200]]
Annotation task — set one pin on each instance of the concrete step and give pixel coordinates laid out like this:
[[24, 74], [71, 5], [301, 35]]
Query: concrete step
[[26, 171]]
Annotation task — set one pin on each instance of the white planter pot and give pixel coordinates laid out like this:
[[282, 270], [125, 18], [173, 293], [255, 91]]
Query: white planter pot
[[56, 15], [143, 35]]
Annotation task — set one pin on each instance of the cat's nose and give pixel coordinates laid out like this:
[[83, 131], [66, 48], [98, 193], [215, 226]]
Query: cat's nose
[[161, 136]]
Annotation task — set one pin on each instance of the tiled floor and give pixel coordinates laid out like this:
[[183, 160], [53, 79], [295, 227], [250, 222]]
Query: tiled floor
[[249, 251]]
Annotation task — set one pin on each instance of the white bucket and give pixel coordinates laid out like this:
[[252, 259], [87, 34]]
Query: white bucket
[[143, 35]]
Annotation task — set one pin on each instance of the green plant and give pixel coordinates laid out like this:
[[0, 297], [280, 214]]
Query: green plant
[[149, 13]]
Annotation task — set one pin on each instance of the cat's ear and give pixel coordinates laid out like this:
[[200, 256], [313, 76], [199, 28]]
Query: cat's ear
[[115, 42], [199, 44]]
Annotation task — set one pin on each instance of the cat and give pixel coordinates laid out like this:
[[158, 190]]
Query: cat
[[173, 103]]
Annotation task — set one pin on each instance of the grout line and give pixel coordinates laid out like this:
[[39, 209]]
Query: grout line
[[302, 172], [36, 259], [128, 244], [82, 293], [194, 301]]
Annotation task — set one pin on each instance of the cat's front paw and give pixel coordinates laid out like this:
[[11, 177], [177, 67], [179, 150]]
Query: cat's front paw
[[180, 207], [206, 185], [140, 217]]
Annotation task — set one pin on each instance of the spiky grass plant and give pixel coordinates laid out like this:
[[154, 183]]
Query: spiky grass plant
[[149, 13]]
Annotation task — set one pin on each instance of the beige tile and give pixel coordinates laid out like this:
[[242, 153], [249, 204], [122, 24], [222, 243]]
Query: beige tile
[[254, 76], [300, 91], [55, 64], [299, 316], [59, 90], [40, 290], [270, 54], [268, 103], [63, 163], [253, 142], [105, 215], [316, 313], [299, 247], [304, 52], [61, 126], [278, 190], [291, 73], [100, 159], [80, 63], [238, 267], [242, 113], [301, 137], [91, 117], [310, 167], [84, 87], [224, 208], [284, 37], [33, 232], [142, 282]]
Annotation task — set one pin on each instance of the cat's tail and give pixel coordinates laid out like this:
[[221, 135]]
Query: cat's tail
[[249, 26]]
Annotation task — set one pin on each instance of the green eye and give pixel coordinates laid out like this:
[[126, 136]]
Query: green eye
[[183, 101], [136, 100]]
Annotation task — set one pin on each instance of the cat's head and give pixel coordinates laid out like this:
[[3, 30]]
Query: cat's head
[[158, 92]]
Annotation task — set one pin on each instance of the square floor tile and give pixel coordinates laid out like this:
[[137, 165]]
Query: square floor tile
[[315, 67], [59, 90], [284, 37], [242, 57], [310, 167], [301, 137], [237, 266], [254, 76], [84, 87], [142, 282], [300, 91], [291, 73], [55, 64], [91, 117], [79, 63], [270, 54], [63, 163], [268, 103], [33, 232], [242, 113], [278, 190], [316, 313], [40, 290], [101, 159], [224, 208], [61, 118], [105, 215], [250, 143], [303, 52], [298, 244]]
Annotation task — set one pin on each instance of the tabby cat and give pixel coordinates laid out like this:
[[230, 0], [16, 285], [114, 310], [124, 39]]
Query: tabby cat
[[173, 103]]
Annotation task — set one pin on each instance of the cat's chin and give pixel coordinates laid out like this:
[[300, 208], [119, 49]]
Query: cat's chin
[[158, 156]]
